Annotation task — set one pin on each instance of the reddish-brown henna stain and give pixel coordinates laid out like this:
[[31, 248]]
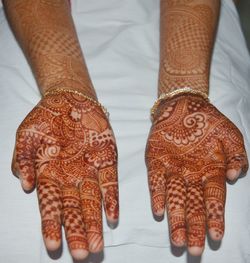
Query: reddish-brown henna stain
[[45, 31], [190, 147], [187, 32], [67, 147], [185, 155]]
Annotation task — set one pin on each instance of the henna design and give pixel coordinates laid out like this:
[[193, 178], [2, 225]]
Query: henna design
[[187, 31], [67, 147], [190, 150], [46, 32]]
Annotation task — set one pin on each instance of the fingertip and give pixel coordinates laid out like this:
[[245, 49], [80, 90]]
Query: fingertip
[[159, 212], [233, 174], [51, 244], [112, 211], [215, 234], [79, 254], [112, 223], [195, 251], [27, 179], [27, 186], [178, 237], [96, 245], [158, 204]]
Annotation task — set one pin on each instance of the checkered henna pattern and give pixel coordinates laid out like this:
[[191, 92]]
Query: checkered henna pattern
[[66, 148], [187, 36], [191, 146], [191, 149], [45, 30]]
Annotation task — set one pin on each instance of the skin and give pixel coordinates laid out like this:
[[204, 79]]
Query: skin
[[50, 44], [192, 148], [65, 147]]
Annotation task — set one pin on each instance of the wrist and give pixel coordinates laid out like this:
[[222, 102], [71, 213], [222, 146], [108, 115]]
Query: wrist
[[65, 90], [87, 90], [178, 92]]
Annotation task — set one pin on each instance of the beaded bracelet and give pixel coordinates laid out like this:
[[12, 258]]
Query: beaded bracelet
[[180, 91], [62, 90]]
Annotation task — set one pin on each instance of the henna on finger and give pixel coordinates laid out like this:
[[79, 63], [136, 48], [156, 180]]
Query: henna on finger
[[74, 141], [109, 188], [67, 134], [157, 185], [176, 209], [188, 138], [215, 197], [50, 204]]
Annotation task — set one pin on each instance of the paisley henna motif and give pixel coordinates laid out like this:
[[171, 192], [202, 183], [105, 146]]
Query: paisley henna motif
[[190, 150], [191, 146], [66, 148]]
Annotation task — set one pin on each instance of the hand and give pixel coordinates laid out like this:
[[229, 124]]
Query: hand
[[192, 148], [66, 148]]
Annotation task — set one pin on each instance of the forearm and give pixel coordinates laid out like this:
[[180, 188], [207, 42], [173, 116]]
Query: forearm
[[187, 36], [46, 33]]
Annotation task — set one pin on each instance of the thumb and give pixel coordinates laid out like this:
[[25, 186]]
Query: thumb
[[23, 165], [236, 156]]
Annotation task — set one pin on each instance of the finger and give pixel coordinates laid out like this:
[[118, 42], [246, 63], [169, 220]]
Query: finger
[[73, 223], [176, 205], [215, 194], [23, 158], [195, 218], [49, 197], [90, 194], [157, 186], [236, 155], [109, 188]]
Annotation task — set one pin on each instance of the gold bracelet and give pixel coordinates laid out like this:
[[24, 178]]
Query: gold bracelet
[[62, 90], [180, 91]]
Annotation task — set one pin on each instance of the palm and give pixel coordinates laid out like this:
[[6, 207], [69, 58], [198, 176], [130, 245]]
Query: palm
[[66, 146], [191, 148]]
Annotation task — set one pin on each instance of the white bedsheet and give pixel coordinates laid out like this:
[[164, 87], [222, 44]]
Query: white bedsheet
[[120, 40]]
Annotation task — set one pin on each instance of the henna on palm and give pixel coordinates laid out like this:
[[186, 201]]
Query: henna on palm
[[66, 147], [187, 153], [190, 150]]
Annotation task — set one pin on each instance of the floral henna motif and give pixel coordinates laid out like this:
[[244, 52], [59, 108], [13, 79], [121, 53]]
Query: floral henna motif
[[191, 149], [67, 148], [65, 145]]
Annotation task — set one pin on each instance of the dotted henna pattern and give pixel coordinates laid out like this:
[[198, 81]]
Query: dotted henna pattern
[[187, 30], [66, 147], [46, 32], [190, 150]]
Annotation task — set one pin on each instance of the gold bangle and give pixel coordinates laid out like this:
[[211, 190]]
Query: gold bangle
[[180, 91], [62, 90]]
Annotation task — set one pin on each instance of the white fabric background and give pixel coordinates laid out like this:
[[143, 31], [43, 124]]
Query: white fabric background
[[120, 40]]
